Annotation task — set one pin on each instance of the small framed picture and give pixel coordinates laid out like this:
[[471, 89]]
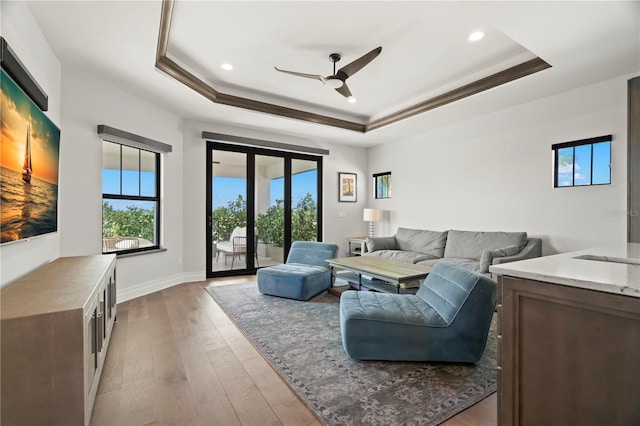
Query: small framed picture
[[347, 187]]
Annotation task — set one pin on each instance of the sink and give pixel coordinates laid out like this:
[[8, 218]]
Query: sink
[[610, 259]]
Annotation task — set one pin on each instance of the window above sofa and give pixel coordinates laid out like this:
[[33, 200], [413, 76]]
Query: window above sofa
[[582, 163]]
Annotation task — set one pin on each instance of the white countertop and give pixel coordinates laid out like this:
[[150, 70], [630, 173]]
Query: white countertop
[[612, 269]]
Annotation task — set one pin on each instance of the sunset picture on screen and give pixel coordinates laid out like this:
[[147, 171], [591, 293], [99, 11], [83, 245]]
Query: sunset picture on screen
[[29, 160]]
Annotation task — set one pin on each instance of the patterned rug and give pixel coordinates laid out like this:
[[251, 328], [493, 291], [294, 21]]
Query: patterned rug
[[302, 342]]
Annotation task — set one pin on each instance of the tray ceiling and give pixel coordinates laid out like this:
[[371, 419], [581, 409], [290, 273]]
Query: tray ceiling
[[427, 59]]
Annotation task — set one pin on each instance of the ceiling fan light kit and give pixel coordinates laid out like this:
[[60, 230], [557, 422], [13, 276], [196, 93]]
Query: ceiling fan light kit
[[334, 82], [338, 79]]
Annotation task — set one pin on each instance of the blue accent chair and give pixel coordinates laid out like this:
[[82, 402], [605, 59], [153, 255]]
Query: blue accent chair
[[448, 319], [304, 275]]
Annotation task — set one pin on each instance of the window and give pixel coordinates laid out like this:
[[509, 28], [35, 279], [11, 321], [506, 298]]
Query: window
[[583, 162], [130, 198], [382, 185]]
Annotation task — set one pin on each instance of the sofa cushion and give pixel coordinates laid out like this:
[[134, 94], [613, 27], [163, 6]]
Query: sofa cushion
[[421, 241], [471, 244], [381, 243], [430, 262], [401, 256], [470, 264], [487, 257]]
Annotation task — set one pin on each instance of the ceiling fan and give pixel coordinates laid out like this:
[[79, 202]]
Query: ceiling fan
[[338, 80]]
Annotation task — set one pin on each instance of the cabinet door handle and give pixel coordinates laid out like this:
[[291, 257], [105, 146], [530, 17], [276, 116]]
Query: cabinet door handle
[[99, 333], [94, 340]]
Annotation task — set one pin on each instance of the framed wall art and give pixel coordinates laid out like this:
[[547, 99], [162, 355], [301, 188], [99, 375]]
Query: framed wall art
[[29, 163], [347, 187]]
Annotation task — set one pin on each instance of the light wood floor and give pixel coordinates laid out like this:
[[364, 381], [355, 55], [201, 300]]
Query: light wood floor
[[175, 358]]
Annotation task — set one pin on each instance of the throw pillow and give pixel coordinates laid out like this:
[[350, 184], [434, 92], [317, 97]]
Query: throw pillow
[[487, 257], [381, 243]]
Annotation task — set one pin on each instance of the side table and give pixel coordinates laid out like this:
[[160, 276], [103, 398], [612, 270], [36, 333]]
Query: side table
[[356, 246]]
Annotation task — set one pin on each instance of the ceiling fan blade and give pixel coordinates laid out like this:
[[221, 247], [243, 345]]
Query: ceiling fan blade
[[344, 90], [300, 74], [355, 66]]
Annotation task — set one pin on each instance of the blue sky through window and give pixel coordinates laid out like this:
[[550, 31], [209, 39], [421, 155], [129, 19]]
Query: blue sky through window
[[576, 167], [601, 163], [130, 185], [226, 189]]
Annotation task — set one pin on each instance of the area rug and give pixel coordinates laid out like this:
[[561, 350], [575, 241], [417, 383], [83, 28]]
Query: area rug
[[302, 342]]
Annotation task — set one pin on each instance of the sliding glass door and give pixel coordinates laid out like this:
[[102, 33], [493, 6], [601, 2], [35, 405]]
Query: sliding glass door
[[304, 200], [269, 209], [258, 202]]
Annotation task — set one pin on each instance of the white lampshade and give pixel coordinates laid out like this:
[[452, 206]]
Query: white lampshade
[[371, 215]]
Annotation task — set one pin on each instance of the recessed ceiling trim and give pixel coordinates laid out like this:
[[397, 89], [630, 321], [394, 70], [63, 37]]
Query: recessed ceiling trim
[[486, 83], [174, 70]]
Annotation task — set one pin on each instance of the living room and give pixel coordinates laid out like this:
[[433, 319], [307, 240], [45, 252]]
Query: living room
[[482, 163]]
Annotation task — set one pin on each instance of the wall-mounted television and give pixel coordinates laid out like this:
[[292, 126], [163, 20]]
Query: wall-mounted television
[[29, 166]]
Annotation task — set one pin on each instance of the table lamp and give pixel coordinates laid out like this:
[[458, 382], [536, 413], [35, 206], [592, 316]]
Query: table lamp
[[371, 215]]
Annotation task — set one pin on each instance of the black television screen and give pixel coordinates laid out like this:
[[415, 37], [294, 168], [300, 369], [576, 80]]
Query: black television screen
[[29, 166]]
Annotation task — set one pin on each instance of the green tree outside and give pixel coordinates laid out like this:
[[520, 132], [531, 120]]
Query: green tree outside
[[304, 220], [226, 218], [132, 222], [270, 224]]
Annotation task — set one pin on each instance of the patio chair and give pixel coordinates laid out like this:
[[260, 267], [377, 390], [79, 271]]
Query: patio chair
[[119, 243], [236, 246]]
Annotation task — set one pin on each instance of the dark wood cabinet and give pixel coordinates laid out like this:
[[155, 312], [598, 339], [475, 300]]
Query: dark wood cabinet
[[567, 355], [55, 330]]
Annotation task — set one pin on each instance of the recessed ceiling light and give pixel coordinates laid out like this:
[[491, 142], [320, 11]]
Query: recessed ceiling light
[[226, 67], [352, 99], [475, 36]]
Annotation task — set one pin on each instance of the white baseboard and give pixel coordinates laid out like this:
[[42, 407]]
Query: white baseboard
[[149, 287]]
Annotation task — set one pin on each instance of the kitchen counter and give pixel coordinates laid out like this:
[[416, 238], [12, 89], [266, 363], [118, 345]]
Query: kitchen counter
[[567, 347], [612, 269]]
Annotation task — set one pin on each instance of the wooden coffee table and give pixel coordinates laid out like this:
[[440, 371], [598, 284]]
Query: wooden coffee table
[[390, 271]]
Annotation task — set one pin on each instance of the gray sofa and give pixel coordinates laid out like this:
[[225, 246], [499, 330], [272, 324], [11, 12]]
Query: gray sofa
[[473, 250]]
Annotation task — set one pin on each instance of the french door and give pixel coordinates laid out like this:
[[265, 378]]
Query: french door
[[258, 202]]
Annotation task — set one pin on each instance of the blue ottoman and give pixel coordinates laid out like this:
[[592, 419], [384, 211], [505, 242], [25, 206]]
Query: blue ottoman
[[305, 274]]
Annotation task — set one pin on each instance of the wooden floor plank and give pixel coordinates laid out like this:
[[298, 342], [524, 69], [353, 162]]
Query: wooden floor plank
[[212, 404], [138, 359], [111, 378], [175, 405], [167, 363], [138, 309], [247, 401], [138, 403], [106, 408]]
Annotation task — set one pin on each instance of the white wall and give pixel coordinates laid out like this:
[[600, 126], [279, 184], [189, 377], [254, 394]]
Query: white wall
[[495, 172], [23, 34], [88, 101], [341, 159]]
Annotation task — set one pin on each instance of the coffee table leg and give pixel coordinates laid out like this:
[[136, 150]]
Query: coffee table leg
[[359, 282], [333, 277]]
